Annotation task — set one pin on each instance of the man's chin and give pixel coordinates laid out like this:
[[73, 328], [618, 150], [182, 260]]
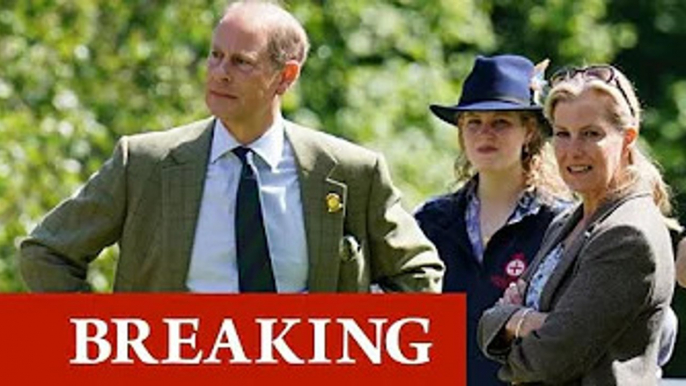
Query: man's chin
[[220, 108]]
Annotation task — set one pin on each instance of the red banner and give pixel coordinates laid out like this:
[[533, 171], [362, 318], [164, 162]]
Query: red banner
[[155, 339]]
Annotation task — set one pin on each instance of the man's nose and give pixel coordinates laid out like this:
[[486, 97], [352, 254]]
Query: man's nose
[[221, 71]]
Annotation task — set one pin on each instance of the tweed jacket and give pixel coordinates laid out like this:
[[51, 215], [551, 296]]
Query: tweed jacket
[[605, 302], [147, 196]]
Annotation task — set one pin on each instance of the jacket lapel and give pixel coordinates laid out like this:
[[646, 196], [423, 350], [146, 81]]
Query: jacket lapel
[[554, 235], [319, 177], [183, 180], [455, 224], [571, 253], [569, 256]]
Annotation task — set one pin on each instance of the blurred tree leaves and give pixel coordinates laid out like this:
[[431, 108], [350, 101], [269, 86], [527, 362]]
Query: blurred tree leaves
[[78, 74]]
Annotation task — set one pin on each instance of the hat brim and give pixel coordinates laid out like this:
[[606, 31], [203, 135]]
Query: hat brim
[[449, 113]]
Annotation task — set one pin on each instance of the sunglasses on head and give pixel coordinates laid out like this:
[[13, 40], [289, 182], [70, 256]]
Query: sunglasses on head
[[605, 73]]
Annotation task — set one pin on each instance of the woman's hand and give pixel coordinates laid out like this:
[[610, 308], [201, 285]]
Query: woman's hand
[[514, 294], [523, 322]]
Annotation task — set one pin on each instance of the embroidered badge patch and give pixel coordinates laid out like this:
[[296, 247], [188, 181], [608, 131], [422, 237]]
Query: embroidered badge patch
[[516, 266]]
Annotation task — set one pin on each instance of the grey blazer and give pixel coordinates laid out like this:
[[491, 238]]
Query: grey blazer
[[146, 198], [605, 302]]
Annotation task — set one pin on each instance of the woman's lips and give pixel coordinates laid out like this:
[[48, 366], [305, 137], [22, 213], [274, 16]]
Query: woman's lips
[[487, 149]]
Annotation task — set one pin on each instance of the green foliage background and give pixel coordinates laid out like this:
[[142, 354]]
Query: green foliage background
[[75, 75]]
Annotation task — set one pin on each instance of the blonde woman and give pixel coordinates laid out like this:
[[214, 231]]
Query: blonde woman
[[597, 294]]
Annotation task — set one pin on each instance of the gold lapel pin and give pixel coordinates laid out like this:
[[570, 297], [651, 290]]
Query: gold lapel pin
[[333, 203]]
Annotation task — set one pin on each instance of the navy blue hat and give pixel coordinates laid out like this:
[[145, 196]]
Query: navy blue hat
[[496, 83]]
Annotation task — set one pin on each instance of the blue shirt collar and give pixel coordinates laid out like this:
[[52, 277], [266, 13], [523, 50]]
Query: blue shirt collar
[[529, 202]]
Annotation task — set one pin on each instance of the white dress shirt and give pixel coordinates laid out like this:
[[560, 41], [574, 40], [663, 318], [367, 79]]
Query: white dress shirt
[[213, 260]]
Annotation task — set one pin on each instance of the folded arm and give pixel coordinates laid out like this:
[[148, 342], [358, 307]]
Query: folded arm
[[597, 306]]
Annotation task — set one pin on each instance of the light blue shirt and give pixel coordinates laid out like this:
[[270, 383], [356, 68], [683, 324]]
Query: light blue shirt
[[213, 260], [529, 204], [541, 276]]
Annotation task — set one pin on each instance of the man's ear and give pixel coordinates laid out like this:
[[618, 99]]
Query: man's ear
[[289, 74]]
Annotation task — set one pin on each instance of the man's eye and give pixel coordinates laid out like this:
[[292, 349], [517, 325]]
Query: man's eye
[[242, 62]]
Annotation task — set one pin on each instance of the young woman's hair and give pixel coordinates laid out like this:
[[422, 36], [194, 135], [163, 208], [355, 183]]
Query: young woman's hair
[[623, 111]]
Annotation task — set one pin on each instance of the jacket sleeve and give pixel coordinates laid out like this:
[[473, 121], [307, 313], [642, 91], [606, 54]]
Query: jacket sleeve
[[55, 256], [403, 259], [490, 330], [611, 286]]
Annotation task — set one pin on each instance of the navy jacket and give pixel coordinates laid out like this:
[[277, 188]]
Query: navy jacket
[[508, 253]]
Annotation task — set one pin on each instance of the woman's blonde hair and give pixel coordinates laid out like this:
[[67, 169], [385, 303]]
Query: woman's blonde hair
[[537, 158], [624, 111]]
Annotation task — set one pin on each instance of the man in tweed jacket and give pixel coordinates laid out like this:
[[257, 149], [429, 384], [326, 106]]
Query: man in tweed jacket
[[345, 228]]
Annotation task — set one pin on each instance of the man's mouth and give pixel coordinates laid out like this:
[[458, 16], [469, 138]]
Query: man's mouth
[[222, 94]]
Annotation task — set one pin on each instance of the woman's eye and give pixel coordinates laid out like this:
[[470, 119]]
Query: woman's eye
[[501, 124], [473, 122]]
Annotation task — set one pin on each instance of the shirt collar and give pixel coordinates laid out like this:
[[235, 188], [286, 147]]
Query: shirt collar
[[528, 205], [470, 188], [269, 147], [529, 202]]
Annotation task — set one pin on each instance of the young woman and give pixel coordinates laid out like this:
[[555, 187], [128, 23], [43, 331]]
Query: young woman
[[488, 231], [597, 295]]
